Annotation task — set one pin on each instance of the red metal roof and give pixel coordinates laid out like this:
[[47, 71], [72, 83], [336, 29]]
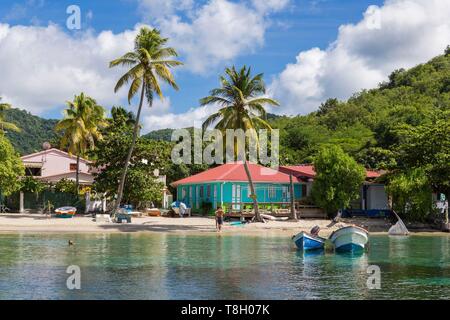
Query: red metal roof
[[236, 172], [302, 170], [308, 171]]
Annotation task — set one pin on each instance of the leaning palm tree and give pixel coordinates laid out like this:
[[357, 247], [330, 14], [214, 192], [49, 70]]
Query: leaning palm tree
[[4, 125], [81, 127], [149, 63], [242, 107]]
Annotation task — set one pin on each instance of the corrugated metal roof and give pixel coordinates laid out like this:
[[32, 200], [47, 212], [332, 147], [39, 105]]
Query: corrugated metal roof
[[308, 171], [236, 172]]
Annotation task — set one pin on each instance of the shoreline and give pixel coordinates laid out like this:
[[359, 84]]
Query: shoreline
[[37, 223]]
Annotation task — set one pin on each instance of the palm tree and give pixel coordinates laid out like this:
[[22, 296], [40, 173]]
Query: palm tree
[[4, 125], [242, 107], [149, 63], [81, 127]]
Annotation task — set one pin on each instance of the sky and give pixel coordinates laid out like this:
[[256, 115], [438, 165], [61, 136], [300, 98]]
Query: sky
[[308, 50]]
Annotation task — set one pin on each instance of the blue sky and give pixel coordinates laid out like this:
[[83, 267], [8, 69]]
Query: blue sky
[[278, 41]]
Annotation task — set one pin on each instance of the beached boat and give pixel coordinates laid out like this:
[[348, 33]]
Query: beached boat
[[304, 241], [350, 239], [65, 212]]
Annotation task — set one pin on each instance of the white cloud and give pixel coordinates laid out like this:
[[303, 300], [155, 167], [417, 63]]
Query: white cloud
[[400, 34], [214, 33], [192, 118], [155, 9], [42, 67], [265, 6]]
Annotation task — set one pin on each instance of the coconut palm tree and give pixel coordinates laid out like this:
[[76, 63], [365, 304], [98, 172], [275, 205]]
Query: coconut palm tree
[[241, 98], [149, 63], [81, 127], [4, 125]]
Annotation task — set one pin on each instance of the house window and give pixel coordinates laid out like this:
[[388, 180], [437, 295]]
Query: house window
[[183, 193], [286, 192], [208, 191], [201, 192], [272, 192], [73, 167]]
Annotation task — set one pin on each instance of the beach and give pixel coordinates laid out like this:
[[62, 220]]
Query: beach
[[38, 223]]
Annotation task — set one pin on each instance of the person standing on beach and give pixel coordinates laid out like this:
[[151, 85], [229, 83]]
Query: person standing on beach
[[219, 219]]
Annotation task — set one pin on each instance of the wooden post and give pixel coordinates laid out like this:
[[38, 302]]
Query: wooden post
[[21, 202], [293, 212]]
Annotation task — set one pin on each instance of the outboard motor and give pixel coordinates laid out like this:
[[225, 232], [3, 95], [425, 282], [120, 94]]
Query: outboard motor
[[315, 231]]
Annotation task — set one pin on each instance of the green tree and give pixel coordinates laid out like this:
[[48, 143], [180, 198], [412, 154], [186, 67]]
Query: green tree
[[4, 125], [427, 147], [11, 167], [338, 180], [66, 186], [149, 62], [148, 155], [242, 107], [411, 194], [32, 185], [81, 127]]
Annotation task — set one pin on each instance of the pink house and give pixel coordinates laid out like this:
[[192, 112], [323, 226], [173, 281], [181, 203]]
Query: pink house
[[54, 165]]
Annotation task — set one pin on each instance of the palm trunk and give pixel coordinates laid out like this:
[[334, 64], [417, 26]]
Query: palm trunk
[[292, 198], [77, 175], [252, 190], [130, 151]]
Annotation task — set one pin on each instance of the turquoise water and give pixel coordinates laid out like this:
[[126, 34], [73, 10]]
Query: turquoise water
[[161, 266]]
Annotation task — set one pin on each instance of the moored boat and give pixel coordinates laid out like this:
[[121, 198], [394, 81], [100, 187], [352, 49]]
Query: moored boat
[[350, 239], [304, 241]]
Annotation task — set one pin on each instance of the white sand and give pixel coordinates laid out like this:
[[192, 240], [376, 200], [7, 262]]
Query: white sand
[[38, 223]]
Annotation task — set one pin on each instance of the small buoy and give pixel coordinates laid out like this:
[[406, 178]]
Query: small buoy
[[71, 243]]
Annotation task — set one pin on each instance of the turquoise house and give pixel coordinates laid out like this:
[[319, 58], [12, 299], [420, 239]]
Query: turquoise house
[[227, 186]]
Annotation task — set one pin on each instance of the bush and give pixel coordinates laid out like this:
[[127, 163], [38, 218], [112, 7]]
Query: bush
[[338, 180], [411, 195], [206, 208], [32, 185]]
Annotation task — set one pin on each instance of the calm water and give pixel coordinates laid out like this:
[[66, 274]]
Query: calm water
[[125, 266]]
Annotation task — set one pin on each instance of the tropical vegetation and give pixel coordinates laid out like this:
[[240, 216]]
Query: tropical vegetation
[[11, 167], [81, 127], [5, 125], [241, 100], [149, 63], [338, 180]]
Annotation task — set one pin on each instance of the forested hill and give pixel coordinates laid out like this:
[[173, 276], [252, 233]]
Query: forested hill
[[166, 134], [34, 131], [371, 123]]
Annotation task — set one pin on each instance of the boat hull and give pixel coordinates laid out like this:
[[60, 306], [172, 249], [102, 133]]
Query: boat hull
[[350, 239], [305, 242]]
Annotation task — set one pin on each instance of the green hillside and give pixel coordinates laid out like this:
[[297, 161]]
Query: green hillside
[[34, 131], [166, 134], [371, 123]]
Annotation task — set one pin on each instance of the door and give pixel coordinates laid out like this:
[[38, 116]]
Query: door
[[236, 196]]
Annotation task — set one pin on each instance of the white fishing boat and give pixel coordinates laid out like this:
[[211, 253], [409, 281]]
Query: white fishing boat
[[350, 239]]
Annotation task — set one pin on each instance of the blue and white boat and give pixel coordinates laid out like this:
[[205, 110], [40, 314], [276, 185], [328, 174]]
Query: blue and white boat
[[304, 241], [350, 239]]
